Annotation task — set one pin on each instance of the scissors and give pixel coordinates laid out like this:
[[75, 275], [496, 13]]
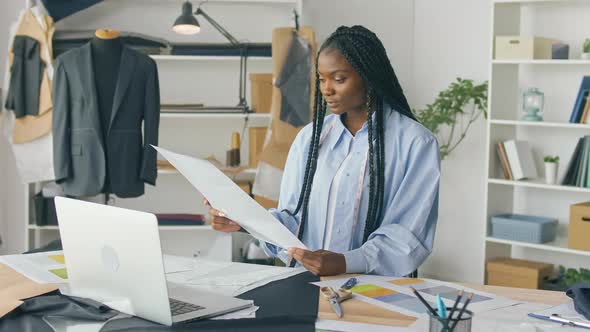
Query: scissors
[[335, 297]]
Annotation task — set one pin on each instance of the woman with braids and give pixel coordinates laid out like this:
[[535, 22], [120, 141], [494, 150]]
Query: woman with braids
[[360, 187]]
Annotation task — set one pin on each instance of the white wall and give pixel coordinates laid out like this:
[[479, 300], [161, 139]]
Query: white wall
[[391, 20], [451, 39], [11, 191]]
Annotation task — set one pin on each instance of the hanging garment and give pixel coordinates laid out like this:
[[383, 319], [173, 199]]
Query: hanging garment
[[33, 125], [59, 9], [26, 74], [282, 133], [79, 144], [30, 137], [294, 83]]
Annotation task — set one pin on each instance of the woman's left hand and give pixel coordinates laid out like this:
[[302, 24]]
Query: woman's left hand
[[320, 262]]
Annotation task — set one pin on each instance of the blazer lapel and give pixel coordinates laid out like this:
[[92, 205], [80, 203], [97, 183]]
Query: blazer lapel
[[89, 87], [126, 70]]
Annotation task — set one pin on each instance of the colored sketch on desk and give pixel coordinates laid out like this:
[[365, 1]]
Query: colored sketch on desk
[[445, 292], [58, 258], [62, 273], [40, 267], [395, 294]]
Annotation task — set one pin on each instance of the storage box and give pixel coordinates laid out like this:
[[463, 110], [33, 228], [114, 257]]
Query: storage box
[[523, 48], [256, 143], [518, 227], [519, 273], [261, 92], [579, 227]]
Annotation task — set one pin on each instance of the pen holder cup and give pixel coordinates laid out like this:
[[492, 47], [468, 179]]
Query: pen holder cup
[[438, 324]]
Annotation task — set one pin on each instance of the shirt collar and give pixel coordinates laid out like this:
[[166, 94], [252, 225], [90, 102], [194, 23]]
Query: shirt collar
[[338, 130]]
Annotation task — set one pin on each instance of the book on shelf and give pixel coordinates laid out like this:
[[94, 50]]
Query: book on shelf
[[520, 158], [578, 170], [504, 161], [570, 174], [579, 103], [586, 113], [583, 167], [180, 219]]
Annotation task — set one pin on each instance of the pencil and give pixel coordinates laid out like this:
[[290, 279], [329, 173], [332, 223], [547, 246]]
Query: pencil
[[469, 297], [459, 296], [432, 311]]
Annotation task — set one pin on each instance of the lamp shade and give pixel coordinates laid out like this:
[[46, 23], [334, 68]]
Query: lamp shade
[[186, 23]]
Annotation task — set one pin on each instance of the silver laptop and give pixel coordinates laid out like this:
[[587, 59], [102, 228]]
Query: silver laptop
[[114, 256]]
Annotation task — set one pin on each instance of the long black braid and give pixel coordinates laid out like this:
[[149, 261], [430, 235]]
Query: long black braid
[[365, 53]]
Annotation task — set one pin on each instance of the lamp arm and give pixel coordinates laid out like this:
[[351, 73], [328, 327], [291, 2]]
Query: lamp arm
[[218, 27]]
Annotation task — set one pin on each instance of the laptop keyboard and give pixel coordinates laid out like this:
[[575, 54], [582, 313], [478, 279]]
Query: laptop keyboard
[[179, 307]]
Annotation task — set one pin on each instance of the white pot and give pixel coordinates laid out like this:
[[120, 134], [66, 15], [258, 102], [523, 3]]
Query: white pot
[[585, 56], [551, 172]]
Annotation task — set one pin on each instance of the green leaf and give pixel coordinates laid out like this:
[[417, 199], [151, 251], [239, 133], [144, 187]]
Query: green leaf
[[451, 108]]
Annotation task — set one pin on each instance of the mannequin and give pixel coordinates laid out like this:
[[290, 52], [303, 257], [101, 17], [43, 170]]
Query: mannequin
[[107, 48]]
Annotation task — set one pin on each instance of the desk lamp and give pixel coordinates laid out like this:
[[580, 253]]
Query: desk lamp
[[187, 24]]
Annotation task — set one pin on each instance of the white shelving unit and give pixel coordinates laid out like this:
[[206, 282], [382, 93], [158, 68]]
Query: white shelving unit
[[212, 80], [559, 81]]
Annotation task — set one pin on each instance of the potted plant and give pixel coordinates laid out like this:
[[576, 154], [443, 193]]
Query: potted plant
[[551, 165], [566, 278], [586, 50], [453, 111]]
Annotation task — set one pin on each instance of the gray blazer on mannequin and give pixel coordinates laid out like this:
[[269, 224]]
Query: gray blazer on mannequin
[[79, 145]]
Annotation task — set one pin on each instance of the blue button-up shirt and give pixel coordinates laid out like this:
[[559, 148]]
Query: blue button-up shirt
[[410, 211]]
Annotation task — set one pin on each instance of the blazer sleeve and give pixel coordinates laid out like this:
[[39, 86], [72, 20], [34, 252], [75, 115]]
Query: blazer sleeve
[[151, 124], [61, 124]]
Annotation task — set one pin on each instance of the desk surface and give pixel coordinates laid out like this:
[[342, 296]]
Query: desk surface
[[368, 313]]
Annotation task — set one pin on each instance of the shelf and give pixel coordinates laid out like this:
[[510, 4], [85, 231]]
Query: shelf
[[537, 1], [540, 124], [162, 228], [539, 184], [559, 245], [214, 116], [541, 62], [249, 173], [207, 58]]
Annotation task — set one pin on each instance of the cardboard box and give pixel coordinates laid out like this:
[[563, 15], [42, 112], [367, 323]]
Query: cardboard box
[[579, 227], [510, 272], [523, 48], [256, 143], [266, 203], [261, 92]]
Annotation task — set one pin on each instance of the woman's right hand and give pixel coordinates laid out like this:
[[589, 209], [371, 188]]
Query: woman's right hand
[[219, 222]]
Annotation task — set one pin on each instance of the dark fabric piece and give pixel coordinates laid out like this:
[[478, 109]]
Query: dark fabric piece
[[580, 293], [285, 305], [59, 9], [252, 49], [51, 246], [26, 74], [80, 159], [29, 316], [293, 81]]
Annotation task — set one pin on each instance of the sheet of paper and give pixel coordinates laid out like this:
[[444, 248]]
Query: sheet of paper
[[44, 267], [344, 326], [245, 313], [173, 264], [228, 278], [395, 294], [61, 324], [226, 196]]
